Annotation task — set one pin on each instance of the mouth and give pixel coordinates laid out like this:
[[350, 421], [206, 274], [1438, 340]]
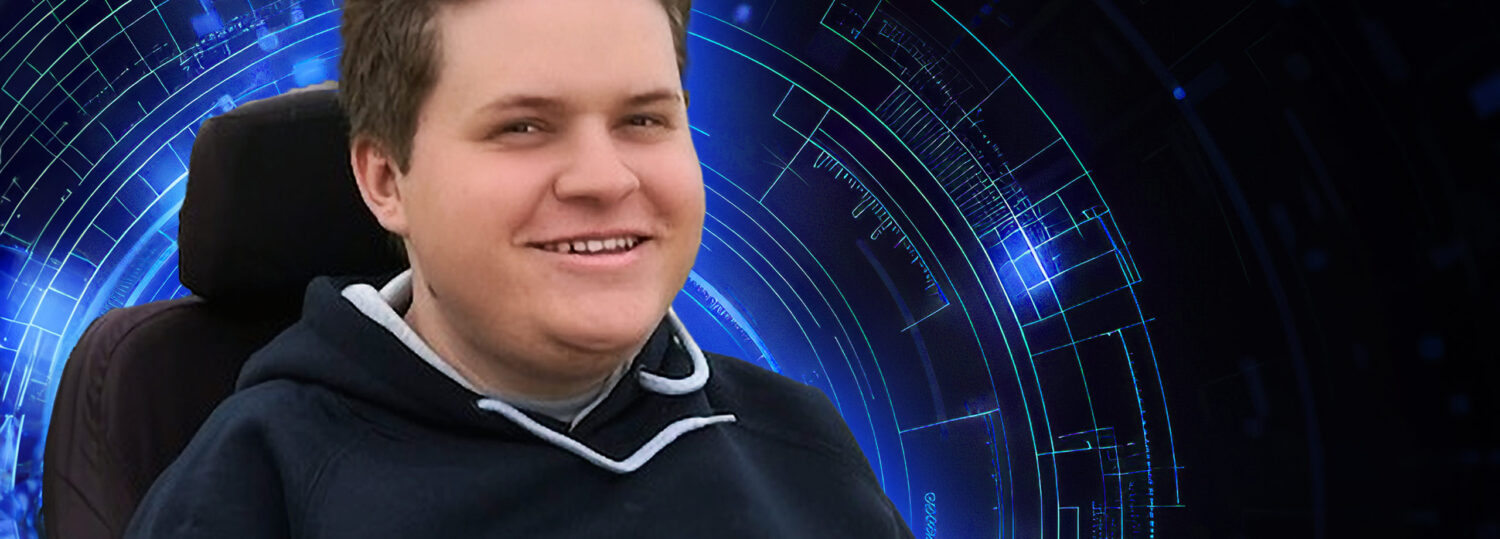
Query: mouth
[[593, 246]]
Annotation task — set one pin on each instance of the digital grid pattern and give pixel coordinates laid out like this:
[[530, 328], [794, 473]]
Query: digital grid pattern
[[892, 218]]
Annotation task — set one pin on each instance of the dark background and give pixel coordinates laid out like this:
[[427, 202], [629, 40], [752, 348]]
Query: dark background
[[1338, 379]]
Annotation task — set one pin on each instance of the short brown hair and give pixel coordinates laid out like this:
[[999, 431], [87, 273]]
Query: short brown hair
[[390, 63]]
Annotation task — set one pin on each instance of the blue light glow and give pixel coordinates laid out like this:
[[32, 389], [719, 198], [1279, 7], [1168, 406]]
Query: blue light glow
[[892, 220]]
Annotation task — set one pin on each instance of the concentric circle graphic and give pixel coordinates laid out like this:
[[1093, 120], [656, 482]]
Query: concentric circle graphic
[[892, 218]]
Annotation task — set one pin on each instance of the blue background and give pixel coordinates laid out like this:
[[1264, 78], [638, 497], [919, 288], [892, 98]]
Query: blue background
[[1003, 238]]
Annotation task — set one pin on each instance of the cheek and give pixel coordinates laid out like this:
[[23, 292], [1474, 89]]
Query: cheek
[[480, 199], [692, 204], [682, 204], [679, 187]]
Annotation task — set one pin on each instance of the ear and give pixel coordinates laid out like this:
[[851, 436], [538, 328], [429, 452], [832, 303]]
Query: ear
[[378, 178]]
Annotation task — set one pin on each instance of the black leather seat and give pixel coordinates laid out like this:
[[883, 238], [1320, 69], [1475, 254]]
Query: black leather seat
[[270, 204]]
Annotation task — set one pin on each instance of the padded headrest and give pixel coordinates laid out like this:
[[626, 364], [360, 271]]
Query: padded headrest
[[271, 203]]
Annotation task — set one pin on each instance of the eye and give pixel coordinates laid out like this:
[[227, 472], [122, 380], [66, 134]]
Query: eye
[[642, 120], [525, 128], [519, 128]]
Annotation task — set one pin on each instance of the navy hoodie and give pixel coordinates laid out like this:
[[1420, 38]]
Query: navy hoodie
[[338, 429]]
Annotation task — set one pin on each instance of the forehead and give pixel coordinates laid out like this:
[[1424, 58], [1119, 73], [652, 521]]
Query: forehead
[[569, 49]]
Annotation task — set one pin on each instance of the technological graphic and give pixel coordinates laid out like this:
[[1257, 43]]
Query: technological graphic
[[892, 218]]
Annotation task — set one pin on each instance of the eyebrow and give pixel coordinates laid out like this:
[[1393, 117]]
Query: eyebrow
[[656, 96], [528, 101]]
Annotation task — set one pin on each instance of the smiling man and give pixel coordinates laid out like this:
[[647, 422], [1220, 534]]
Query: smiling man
[[526, 377]]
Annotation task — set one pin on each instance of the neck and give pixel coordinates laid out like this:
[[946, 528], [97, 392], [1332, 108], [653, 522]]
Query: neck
[[503, 372]]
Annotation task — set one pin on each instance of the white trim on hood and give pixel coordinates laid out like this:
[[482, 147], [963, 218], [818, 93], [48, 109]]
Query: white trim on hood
[[378, 306]]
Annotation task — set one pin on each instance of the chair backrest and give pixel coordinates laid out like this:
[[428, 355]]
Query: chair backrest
[[270, 204]]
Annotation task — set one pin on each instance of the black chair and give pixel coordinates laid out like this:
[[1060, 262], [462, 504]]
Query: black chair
[[271, 203]]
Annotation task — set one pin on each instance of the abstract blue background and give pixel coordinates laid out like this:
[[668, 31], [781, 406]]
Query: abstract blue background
[[895, 216]]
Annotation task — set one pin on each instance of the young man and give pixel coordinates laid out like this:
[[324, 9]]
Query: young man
[[526, 377]]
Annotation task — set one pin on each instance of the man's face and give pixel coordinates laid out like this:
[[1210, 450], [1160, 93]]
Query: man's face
[[554, 126]]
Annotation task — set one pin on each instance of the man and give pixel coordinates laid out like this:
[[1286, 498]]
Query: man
[[526, 377]]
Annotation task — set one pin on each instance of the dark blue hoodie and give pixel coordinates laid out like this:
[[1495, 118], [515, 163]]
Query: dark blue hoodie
[[338, 429]]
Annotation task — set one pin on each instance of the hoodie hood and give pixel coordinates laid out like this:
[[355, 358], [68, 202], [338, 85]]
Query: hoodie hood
[[351, 350]]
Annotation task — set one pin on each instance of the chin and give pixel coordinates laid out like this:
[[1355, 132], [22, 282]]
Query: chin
[[602, 328]]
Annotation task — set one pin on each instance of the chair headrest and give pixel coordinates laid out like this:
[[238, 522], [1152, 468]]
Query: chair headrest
[[271, 203]]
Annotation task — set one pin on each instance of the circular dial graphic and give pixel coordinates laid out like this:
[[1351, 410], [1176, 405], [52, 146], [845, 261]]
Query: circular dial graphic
[[892, 218]]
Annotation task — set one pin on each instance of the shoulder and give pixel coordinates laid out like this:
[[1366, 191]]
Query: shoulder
[[281, 405], [736, 381], [260, 452], [284, 424], [779, 407], [792, 414]]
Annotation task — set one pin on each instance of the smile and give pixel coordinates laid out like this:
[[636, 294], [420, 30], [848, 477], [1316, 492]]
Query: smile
[[593, 246]]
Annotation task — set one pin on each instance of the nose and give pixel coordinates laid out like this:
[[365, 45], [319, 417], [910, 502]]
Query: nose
[[597, 172]]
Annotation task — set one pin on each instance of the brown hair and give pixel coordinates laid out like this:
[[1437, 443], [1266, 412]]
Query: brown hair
[[390, 60]]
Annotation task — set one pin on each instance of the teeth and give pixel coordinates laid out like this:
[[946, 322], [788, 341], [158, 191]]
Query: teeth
[[593, 246]]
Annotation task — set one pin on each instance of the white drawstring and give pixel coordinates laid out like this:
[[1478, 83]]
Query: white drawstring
[[679, 386], [377, 306], [631, 463]]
